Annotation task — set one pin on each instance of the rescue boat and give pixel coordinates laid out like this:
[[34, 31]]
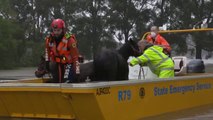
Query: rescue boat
[[118, 100]]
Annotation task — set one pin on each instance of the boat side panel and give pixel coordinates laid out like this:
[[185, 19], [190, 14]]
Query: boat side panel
[[35, 104], [136, 101]]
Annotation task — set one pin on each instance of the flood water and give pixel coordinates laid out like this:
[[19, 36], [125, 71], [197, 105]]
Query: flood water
[[204, 112], [20, 73], [199, 113]]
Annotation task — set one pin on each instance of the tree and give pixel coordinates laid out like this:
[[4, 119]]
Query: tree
[[10, 34], [127, 17], [185, 14], [90, 26]]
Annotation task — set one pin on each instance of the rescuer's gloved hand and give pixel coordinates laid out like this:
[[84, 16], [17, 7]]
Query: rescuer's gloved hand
[[80, 59], [130, 64]]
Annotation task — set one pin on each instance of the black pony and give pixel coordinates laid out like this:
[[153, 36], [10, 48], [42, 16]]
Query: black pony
[[111, 65]]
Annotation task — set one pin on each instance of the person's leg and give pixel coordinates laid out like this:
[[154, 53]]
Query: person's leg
[[54, 72], [72, 78], [57, 71], [61, 69]]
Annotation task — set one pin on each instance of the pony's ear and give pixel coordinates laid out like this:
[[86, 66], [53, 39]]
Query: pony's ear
[[130, 40]]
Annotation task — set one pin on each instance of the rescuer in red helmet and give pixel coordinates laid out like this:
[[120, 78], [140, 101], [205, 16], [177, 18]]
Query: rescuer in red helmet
[[61, 51]]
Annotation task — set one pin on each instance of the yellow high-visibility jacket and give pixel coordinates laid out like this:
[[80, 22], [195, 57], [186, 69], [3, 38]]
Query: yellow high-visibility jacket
[[159, 63]]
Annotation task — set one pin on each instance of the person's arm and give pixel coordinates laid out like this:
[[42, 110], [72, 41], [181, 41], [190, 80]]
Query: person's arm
[[74, 52], [139, 60], [149, 39], [164, 44], [47, 53]]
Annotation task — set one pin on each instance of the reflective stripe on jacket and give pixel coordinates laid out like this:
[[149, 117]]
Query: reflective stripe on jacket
[[155, 59]]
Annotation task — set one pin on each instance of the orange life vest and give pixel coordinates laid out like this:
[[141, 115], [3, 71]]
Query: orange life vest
[[159, 40], [61, 53]]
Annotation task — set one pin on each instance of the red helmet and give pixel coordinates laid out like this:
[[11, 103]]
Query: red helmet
[[58, 23]]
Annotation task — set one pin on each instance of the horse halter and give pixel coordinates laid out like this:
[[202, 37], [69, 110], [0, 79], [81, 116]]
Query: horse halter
[[135, 51]]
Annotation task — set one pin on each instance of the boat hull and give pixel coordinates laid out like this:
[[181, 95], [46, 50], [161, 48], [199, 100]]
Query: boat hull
[[34, 100], [133, 100], [126, 100]]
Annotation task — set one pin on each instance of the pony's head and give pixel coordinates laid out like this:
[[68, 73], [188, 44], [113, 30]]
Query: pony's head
[[130, 48], [133, 48]]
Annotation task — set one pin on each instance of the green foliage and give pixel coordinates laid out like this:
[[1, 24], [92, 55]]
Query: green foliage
[[91, 27], [31, 56], [127, 17], [9, 44], [188, 13]]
